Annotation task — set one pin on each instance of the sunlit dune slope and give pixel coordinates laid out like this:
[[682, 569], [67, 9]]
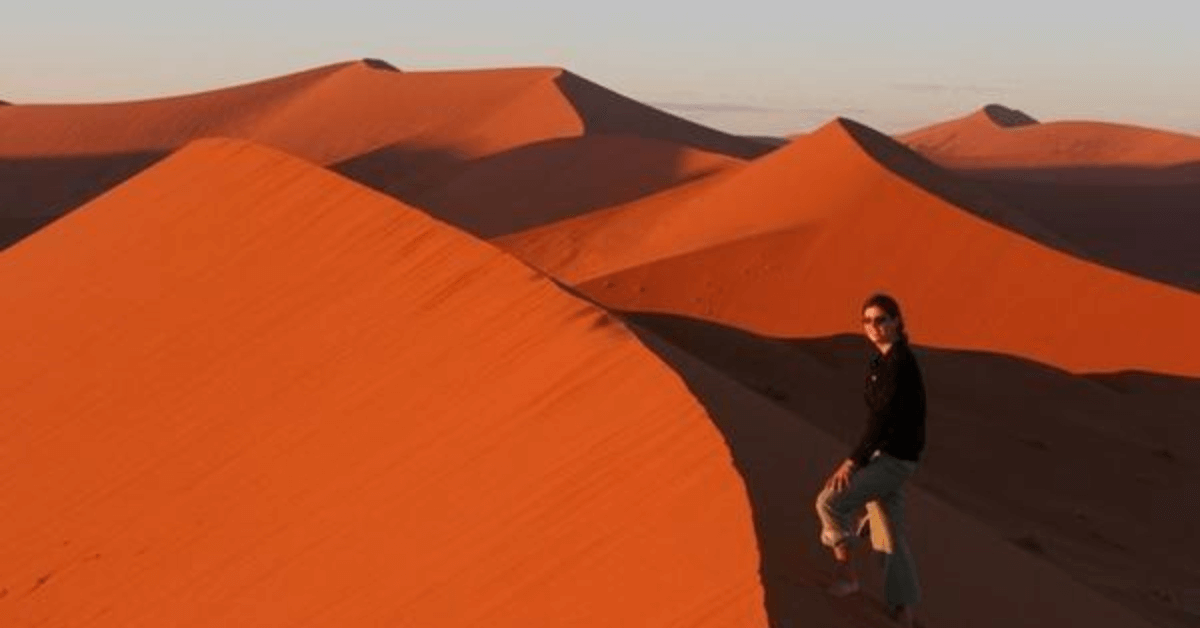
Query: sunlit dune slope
[[241, 390]]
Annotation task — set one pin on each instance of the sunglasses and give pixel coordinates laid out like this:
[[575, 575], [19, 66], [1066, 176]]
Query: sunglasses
[[875, 320]]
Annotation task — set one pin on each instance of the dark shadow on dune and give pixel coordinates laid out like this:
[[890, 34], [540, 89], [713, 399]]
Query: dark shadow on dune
[[1096, 467], [1007, 118], [769, 140], [949, 186], [379, 64], [1142, 220], [401, 171], [605, 111], [1143, 229], [525, 187], [35, 191]]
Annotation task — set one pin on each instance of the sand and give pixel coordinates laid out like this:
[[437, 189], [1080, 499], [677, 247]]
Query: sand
[[242, 387]]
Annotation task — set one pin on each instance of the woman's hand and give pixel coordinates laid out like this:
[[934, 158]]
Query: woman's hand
[[841, 478]]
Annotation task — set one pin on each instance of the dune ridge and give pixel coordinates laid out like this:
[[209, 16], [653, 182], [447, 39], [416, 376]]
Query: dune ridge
[[242, 389]]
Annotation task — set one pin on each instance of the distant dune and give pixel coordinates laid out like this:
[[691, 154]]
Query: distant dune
[[1121, 195], [391, 130], [241, 390], [997, 137], [841, 226], [814, 177]]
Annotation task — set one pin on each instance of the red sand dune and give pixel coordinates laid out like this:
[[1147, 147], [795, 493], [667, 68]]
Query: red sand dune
[[241, 390], [1123, 196], [965, 282], [762, 198], [389, 129], [997, 137]]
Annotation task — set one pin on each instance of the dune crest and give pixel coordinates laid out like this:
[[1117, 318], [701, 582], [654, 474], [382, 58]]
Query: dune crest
[[242, 389]]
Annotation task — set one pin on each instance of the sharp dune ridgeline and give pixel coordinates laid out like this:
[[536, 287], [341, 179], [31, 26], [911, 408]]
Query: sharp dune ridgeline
[[360, 345]]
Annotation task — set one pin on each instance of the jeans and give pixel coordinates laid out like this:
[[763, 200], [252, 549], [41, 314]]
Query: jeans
[[880, 484]]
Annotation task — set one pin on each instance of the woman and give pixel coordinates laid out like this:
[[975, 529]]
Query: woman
[[884, 459]]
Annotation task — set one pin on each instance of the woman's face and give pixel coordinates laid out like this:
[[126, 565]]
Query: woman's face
[[879, 327]]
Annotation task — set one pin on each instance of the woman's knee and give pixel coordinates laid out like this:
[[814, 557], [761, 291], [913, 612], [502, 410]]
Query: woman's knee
[[823, 500]]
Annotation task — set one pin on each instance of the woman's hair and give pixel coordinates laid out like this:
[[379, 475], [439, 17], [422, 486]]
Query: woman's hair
[[889, 305]]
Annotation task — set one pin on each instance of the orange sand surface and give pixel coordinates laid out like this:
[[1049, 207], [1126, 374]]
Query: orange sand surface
[[241, 390], [966, 283]]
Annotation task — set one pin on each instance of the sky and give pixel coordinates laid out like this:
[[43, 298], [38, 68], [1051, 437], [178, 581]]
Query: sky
[[767, 67]]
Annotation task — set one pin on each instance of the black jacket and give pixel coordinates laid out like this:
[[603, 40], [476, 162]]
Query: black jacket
[[895, 396]]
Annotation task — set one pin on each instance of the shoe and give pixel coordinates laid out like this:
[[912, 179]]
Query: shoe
[[842, 588]]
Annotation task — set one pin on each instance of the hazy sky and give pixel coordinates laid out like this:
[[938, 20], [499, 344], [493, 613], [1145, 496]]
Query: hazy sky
[[751, 66]]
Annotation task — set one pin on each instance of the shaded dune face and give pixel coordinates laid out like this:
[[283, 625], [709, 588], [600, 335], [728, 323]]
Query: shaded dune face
[[785, 456], [970, 283], [545, 182], [1086, 473], [399, 132], [241, 390]]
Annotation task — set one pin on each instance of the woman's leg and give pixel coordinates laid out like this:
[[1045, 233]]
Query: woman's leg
[[838, 510], [901, 587]]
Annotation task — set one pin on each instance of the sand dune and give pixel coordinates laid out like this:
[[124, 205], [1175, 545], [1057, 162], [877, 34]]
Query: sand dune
[[241, 390], [815, 177], [1121, 195], [997, 137], [365, 119], [1083, 472], [967, 283]]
